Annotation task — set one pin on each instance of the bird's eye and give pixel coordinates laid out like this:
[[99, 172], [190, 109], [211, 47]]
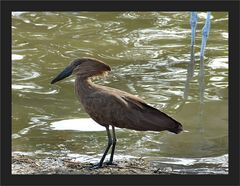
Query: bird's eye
[[75, 63]]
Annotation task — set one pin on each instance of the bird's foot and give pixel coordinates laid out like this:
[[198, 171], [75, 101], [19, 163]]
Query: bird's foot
[[111, 163], [96, 166]]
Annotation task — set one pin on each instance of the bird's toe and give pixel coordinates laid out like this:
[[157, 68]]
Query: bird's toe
[[96, 166], [111, 163]]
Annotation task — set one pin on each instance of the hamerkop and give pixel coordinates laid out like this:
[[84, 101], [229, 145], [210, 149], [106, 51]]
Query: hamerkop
[[110, 106]]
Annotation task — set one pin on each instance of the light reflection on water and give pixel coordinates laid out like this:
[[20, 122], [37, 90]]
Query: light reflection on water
[[149, 53]]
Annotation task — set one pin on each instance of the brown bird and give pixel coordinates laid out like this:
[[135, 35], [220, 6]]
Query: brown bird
[[109, 106]]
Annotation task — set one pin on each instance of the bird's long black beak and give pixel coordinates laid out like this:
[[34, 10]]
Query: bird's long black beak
[[65, 73]]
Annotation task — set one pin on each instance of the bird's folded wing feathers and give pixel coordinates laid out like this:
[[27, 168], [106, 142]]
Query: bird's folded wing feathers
[[148, 116], [129, 111]]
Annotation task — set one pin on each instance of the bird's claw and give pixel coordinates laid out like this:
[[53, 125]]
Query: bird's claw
[[96, 166], [111, 163]]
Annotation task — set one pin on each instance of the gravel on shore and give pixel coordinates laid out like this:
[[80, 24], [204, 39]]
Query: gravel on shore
[[22, 164]]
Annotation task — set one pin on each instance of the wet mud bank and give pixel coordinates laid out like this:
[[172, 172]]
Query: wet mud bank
[[22, 164]]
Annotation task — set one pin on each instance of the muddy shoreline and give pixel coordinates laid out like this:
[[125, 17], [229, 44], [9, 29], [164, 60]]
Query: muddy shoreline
[[22, 164]]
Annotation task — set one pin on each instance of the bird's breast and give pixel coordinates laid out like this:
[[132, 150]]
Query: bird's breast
[[96, 109], [93, 102]]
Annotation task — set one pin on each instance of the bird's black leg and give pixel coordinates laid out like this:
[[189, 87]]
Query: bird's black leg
[[110, 162], [110, 142]]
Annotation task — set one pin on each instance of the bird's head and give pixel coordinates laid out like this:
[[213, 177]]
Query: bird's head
[[84, 67]]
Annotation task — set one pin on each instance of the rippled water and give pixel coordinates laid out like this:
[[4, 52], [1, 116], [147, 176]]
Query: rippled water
[[149, 53]]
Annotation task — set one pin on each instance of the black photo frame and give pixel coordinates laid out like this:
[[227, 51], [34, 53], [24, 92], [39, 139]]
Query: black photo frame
[[234, 76]]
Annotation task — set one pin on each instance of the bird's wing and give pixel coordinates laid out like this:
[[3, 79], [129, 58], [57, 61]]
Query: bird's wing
[[143, 116], [124, 110]]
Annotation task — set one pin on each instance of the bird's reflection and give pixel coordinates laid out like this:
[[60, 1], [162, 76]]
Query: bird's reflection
[[190, 71]]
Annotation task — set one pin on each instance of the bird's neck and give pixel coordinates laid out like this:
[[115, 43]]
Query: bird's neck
[[84, 87]]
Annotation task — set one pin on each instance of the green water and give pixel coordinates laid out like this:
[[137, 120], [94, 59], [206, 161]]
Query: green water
[[149, 53]]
